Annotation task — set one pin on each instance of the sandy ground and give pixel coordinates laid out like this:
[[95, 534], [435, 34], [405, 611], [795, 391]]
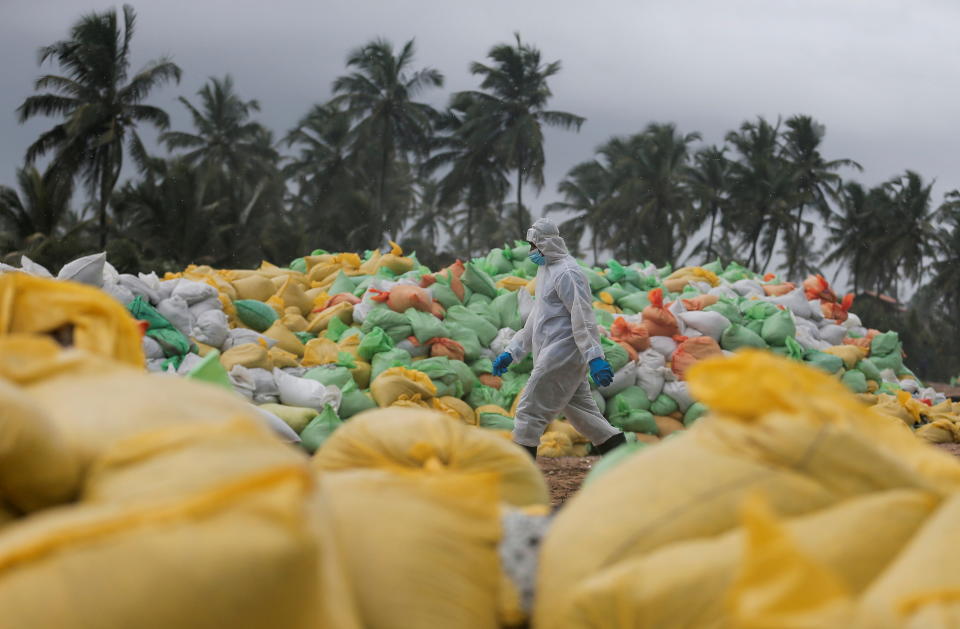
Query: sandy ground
[[566, 474]]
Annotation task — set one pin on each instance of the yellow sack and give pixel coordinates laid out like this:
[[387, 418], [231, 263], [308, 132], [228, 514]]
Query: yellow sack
[[91, 319], [320, 321], [943, 410], [411, 401], [281, 358], [940, 431], [599, 305], [678, 280], [319, 351], [396, 381], [294, 321], [361, 374], [397, 439], [297, 417], [351, 345], [370, 266], [555, 444], [516, 402], [286, 340], [467, 416], [250, 355], [849, 354], [254, 286], [512, 283], [890, 406], [567, 429], [292, 294], [778, 428]]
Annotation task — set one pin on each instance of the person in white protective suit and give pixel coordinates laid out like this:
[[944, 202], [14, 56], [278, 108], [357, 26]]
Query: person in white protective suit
[[561, 330]]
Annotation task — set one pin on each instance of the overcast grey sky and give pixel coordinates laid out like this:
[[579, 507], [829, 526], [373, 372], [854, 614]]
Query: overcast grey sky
[[882, 75]]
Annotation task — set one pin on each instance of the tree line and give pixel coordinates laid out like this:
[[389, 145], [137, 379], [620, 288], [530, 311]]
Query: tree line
[[376, 162]]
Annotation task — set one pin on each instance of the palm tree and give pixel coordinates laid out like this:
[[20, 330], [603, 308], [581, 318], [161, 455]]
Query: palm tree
[[40, 209], [708, 180], [586, 190], [227, 147], [912, 233], [514, 97], [945, 282], [380, 95], [100, 107]]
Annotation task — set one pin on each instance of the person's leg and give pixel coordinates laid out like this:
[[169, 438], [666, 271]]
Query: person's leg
[[540, 402], [582, 413]]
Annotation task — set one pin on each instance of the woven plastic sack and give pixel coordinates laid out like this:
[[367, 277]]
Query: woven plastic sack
[[389, 385], [658, 320], [426, 326], [394, 324], [478, 281], [738, 337], [465, 318]]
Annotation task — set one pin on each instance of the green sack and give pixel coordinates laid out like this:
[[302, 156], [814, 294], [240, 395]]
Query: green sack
[[498, 262], [636, 420], [614, 458], [758, 310], [778, 328], [506, 307], [728, 309], [481, 366], [754, 325], [482, 394], [615, 271], [335, 329], [892, 361], [737, 336], [478, 299], [319, 429], [363, 285], [374, 342], [255, 314], [823, 361], [855, 381], [617, 292], [478, 281], [634, 302], [442, 374], [299, 265], [396, 325], [496, 421], [485, 311], [342, 284], [714, 267], [445, 295], [694, 412], [519, 251], [663, 405], [212, 371], [603, 317], [885, 344], [426, 326], [354, 402], [306, 337], [615, 354], [460, 315], [888, 388], [869, 370], [512, 385], [170, 339], [525, 267], [395, 357], [794, 349], [523, 366], [597, 281], [467, 338], [633, 397], [335, 375]]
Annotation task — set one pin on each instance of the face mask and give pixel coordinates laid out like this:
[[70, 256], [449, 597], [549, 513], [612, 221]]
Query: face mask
[[537, 258]]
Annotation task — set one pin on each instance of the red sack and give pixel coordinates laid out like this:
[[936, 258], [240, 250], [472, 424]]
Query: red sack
[[446, 347], [656, 318], [340, 298], [427, 280], [403, 296], [633, 334], [490, 380], [692, 351], [837, 312], [456, 269], [699, 302], [776, 290], [816, 287]]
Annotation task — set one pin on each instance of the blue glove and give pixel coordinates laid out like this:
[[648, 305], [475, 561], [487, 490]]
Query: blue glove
[[601, 372], [501, 363]]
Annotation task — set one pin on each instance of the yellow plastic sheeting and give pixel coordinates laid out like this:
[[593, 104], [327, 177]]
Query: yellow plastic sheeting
[[408, 440], [34, 305], [787, 432]]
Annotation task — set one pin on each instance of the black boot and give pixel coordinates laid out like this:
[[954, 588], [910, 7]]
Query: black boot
[[532, 450], [617, 440]]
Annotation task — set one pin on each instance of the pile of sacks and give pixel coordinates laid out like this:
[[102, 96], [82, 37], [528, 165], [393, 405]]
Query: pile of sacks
[[333, 334]]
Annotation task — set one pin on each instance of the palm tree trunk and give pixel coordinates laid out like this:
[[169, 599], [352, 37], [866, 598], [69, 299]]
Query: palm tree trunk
[[776, 235], [713, 222], [593, 239], [470, 231], [379, 220], [800, 220], [520, 224], [108, 179]]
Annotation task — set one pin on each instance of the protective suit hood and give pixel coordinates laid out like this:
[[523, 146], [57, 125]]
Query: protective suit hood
[[545, 235]]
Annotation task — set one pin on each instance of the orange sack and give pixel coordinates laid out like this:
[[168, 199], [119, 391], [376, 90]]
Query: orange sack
[[776, 290], [699, 302], [837, 312], [692, 351], [340, 298], [446, 347], [656, 318], [633, 334], [490, 380], [817, 287], [402, 297]]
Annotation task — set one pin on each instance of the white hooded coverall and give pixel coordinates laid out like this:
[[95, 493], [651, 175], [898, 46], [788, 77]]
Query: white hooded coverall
[[562, 332]]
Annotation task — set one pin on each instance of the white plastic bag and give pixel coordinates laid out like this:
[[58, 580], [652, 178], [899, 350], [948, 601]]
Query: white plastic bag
[[525, 303], [151, 349], [86, 270], [139, 287], [175, 311], [708, 323], [651, 373], [119, 292], [305, 392], [499, 343], [259, 385], [189, 362], [626, 377], [206, 305], [749, 288], [192, 291], [679, 393], [29, 266], [280, 427], [211, 328], [794, 301], [242, 336], [664, 345], [833, 334]]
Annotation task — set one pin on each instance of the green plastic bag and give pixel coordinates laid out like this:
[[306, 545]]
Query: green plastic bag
[[824, 361], [396, 325], [634, 302], [636, 420], [728, 309], [663, 405], [523, 366], [468, 339], [506, 307], [395, 357], [633, 397], [171, 340], [617, 292], [212, 371], [512, 385], [482, 394], [603, 317], [335, 329], [778, 327], [525, 267], [737, 336], [694, 412], [597, 281], [354, 402], [466, 376], [374, 342], [794, 349], [342, 284], [485, 311], [478, 299], [885, 344], [319, 429], [855, 381], [714, 267], [444, 294], [335, 375], [442, 374], [869, 370], [615, 354], [481, 366], [758, 310], [363, 285], [426, 326], [460, 315], [614, 458], [478, 281], [892, 361], [498, 262], [754, 325], [496, 421], [615, 271], [299, 265], [306, 337], [255, 314]]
